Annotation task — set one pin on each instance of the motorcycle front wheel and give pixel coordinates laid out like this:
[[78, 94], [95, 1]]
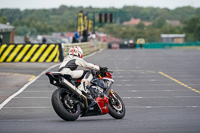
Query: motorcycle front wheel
[[59, 100], [116, 106]]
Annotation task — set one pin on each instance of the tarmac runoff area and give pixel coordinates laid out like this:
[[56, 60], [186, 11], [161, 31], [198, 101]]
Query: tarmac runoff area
[[11, 82], [160, 89], [14, 76]]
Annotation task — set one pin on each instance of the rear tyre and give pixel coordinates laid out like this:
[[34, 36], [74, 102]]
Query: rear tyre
[[116, 106], [59, 102]]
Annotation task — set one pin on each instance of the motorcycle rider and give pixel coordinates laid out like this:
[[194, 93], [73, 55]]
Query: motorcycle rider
[[72, 61]]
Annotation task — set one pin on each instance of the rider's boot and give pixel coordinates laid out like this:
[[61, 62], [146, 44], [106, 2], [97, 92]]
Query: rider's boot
[[83, 86], [85, 82]]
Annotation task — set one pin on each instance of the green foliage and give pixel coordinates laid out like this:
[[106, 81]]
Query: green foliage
[[3, 20], [192, 28], [140, 26], [132, 32], [64, 19], [182, 13], [191, 24], [41, 21], [10, 14], [24, 30], [159, 22], [197, 13], [169, 29]]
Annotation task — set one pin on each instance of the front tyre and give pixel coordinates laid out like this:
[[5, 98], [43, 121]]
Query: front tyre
[[60, 104], [116, 106]]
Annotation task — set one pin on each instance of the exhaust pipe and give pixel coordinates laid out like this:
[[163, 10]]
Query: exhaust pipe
[[68, 85]]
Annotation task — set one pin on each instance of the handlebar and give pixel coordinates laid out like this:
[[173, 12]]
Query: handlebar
[[103, 71]]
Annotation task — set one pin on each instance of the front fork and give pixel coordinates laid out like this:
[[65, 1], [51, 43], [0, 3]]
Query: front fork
[[113, 96]]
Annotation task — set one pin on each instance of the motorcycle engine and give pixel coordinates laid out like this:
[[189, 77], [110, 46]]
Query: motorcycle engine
[[96, 91]]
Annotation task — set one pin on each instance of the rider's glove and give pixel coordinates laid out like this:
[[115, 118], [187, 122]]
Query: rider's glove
[[103, 69]]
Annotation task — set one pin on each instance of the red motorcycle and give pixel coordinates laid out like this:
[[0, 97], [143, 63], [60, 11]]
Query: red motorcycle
[[69, 102]]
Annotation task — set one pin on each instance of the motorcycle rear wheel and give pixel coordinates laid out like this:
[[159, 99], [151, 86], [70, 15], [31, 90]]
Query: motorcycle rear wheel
[[116, 108], [59, 105]]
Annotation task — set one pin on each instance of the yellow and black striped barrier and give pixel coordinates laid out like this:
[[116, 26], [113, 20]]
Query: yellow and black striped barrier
[[30, 53]]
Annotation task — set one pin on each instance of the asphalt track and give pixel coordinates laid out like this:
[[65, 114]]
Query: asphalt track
[[160, 88]]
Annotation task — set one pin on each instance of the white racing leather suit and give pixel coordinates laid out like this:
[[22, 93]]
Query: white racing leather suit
[[69, 66]]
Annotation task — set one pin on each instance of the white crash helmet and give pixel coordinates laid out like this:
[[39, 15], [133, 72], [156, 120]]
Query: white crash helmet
[[76, 51]]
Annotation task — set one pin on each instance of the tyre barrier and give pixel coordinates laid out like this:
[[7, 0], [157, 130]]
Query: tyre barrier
[[31, 53]]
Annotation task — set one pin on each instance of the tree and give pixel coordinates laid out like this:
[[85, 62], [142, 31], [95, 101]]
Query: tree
[[24, 30], [192, 28], [3, 20], [140, 25], [197, 12], [11, 14], [159, 22]]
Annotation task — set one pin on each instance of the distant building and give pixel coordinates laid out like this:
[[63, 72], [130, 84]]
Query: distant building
[[7, 33], [134, 21], [147, 23], [172, 38], [173, 22]]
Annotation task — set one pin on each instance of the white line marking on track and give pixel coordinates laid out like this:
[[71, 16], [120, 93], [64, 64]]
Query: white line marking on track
[[154, 90], [43, 107], [163, 97], [150, 84], [127, 90], [25, 86], [33, 97], [37, 91], [162, 107], [23, 120]]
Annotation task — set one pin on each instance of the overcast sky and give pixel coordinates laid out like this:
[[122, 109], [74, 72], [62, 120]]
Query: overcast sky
[[35, 4]]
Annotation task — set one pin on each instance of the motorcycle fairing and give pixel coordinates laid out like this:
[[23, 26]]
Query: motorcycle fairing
[[103, 104], [97, 107], [99, 82]]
